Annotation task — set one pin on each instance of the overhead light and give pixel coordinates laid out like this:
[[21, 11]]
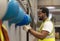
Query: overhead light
[[50, 7]]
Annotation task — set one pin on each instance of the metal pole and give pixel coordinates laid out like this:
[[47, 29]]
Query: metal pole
[[21, 5], [27, 38], [27, 35]]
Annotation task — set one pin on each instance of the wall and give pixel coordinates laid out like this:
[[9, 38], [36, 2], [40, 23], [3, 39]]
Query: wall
[[49, 2]]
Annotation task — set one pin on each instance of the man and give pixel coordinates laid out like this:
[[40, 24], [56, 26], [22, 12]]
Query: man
[[46, 30]]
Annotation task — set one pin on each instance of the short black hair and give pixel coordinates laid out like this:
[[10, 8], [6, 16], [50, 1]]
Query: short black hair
[[45, 10]]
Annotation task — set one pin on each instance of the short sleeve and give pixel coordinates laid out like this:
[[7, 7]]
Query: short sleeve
[[48, 26]]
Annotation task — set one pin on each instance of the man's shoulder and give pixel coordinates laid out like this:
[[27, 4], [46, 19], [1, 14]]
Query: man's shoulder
[[48, 22]]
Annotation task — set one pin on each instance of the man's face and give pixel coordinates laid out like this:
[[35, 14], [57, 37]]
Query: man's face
[[40, 15]]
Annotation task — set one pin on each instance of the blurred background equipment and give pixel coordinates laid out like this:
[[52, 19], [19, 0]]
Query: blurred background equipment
[[23, 18], [12, 10], [25, 21]]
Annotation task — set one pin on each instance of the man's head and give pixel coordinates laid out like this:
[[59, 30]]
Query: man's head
[[43, 12]]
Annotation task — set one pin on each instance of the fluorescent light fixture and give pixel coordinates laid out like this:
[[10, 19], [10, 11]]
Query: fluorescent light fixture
[[50, 7]]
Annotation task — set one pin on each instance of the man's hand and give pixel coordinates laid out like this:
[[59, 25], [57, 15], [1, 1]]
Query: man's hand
[[26, 27]]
